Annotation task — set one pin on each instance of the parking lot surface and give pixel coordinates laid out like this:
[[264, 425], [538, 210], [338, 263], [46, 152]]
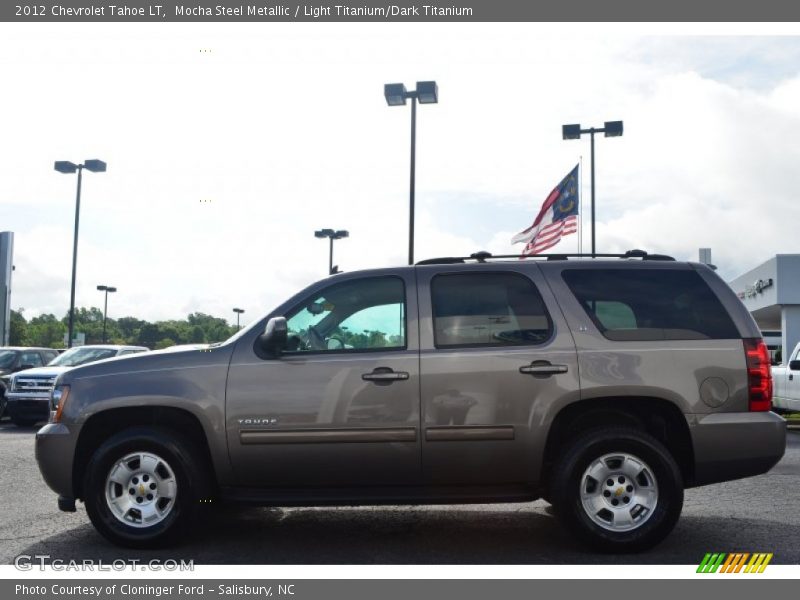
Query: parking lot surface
[[760, 514]]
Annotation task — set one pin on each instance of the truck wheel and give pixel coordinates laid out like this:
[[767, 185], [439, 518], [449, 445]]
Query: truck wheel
[[618, 489], [143, 486], [19, 422]]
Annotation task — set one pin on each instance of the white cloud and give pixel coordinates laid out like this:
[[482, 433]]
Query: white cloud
[[282, 129]]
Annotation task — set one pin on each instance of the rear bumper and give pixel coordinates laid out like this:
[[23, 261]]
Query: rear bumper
[[735, 445], [55, 451]]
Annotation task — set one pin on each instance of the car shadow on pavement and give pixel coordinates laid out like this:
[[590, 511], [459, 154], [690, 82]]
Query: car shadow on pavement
[[429, 535]]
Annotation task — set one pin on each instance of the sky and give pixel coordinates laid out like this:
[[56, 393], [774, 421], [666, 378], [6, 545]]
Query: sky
[[229, 144]]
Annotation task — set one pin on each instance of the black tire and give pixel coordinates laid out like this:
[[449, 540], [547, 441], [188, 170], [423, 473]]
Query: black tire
[[566, 481], [20, 422], [189, 470]]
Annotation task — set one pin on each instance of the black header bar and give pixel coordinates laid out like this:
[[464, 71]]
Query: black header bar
[[401, 11]]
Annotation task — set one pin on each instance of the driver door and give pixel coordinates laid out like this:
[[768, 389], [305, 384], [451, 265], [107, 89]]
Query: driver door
[[340, 407]]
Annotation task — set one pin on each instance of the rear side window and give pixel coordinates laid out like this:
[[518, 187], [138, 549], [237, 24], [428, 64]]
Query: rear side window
[[31, 358], [487, 309], [650, 304]]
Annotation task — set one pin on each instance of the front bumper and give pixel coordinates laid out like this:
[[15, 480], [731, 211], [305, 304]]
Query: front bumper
[[28, 408], [55, 451], [735, 445]]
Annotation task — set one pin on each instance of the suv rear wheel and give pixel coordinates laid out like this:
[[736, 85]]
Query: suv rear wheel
[[143, 487], [618, 489]]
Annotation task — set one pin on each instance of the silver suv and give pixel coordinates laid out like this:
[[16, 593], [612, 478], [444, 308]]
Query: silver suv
[[605, 386]]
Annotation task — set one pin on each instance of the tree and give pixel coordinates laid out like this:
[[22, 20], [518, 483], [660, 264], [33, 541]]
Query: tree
[[214, 328], [18, 329], [196, 335], [129, 327], [46, 331], [149, 335], [164, 343]]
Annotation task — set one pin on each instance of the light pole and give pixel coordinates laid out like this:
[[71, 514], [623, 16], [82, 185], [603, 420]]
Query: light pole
[[427, 92], [108, 290], [238, 312], [64, 166], [573, 132], [332, 235]]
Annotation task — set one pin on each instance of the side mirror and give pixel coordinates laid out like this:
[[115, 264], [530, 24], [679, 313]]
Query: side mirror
[[273, 340], [794, 365]]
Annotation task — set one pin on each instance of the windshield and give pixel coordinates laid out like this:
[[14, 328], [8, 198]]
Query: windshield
[[7, 358], [81, 356]]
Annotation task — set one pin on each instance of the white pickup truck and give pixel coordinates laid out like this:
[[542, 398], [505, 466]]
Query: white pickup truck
[[786, 379]]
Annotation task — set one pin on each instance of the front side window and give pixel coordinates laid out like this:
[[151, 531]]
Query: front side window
[[487, 309], [362, 314], [650, 304]]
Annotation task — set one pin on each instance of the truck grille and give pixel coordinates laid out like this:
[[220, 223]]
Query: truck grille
[[34, 384]]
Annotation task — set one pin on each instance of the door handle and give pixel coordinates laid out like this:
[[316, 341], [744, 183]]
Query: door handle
[[384, 376], [791, 377], [542, 369]]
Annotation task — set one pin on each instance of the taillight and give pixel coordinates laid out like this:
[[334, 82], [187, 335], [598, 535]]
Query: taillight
[[759, 374]]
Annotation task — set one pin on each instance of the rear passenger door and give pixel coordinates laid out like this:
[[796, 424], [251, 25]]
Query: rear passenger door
[[495, 352]]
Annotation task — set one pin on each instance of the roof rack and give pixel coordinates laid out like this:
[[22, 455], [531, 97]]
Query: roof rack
[[482, 257]]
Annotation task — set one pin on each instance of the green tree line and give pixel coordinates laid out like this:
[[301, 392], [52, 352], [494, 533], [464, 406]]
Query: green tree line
[[48, 331]]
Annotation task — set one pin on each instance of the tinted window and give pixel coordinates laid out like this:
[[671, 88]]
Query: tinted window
[[487, 309], [363, 314], [7, 358], [31, 358], [650, 304]]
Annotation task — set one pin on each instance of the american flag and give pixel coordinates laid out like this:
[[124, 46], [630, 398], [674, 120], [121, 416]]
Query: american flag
[[558, 217]]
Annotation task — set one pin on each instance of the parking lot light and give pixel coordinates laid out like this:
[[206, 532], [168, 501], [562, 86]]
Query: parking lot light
[[66, 167], [108, 290], [427, 92]]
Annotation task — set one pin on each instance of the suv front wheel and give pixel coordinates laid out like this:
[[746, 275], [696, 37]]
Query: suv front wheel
[[143, 486], [618, 489]]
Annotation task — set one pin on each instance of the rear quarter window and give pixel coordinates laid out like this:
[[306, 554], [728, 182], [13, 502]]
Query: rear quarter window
[[650, 304]]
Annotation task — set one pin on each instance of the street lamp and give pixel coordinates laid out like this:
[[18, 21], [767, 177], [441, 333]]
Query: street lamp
[[238, 312], [332, 235], [66, 167], [427, 92], [108, 290], [573, 132]]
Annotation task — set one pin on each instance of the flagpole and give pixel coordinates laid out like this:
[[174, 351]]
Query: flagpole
[[580, 204]]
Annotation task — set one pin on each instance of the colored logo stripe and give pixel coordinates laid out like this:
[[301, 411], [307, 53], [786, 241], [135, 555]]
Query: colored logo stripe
[[710, 563], [734, 562]]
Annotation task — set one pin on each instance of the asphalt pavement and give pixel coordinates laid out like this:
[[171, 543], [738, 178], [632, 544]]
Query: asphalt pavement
[[759, 514]]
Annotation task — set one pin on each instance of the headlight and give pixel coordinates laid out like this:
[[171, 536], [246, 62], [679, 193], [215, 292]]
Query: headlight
[[58, 399]]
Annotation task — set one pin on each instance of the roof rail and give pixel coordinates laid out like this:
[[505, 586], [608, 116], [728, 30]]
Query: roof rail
[[483, 256]]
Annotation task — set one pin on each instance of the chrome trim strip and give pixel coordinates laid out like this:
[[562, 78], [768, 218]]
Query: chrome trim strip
[[468, 433], [326, 436]]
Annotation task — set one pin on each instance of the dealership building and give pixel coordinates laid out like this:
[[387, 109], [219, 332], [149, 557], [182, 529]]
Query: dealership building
[[771, 292]]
